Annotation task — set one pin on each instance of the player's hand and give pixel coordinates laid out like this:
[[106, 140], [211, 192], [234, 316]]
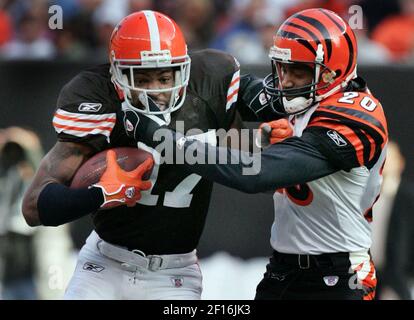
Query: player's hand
[[273, 132], [254, 96], [141, 127], [122, 187]]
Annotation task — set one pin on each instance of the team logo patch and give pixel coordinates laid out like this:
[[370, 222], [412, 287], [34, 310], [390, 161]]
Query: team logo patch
[[90, 106], [330, 281], [177, 282], [263, 98], [335, 136], [89, 266], [130, 192], [129, 125]]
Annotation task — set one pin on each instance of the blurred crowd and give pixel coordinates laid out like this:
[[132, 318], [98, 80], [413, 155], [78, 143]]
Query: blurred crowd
[[245, 28], [35, 263]]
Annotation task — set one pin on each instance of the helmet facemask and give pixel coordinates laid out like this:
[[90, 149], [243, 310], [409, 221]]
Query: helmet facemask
[[123, 71], [290, 101]]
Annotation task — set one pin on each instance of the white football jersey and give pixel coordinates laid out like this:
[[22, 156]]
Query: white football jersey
[[333, 213]]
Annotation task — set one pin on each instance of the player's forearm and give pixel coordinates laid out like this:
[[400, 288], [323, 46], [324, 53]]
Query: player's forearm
[[29, 207], [57, 167], [282, 165], [31, 196], [58, 204]]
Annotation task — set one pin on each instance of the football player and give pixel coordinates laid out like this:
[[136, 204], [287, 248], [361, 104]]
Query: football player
[[326, 178], [147, 250]]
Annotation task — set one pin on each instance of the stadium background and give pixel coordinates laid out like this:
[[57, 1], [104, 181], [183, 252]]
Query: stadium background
[[235, 241]]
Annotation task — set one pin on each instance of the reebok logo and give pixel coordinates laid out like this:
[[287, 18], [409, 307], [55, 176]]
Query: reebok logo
[[335, 136], [89, 266], [90, 106]]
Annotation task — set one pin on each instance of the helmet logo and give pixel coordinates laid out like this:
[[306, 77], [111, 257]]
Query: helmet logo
[[284, 54], [328, 77], [156, 58]]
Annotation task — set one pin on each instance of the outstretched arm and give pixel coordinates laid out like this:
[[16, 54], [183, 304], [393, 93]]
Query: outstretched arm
[[293, 161]]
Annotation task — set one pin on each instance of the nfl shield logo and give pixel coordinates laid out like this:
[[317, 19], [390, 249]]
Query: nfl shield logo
[[130, 192], [330, 281], [177, 282]]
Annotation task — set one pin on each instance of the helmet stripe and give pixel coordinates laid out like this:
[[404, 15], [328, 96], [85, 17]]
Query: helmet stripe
[[294, 25], [153, 30], [321, 28], [350, 53], [291, 35], [342, 28]]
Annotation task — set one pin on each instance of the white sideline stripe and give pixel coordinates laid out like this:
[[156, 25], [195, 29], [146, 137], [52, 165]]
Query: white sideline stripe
[[153, 30]]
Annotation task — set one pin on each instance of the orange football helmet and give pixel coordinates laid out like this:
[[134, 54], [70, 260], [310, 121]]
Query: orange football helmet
[[318, 38], [148, 40]]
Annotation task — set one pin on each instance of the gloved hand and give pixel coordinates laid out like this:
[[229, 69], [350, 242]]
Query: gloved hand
[[121, 187], [273, 132], [252, 95], [141, 127]]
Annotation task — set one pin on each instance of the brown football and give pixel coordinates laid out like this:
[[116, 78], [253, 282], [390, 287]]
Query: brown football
[[91, 171]]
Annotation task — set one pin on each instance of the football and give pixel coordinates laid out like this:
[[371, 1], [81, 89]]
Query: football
[[91, 171]]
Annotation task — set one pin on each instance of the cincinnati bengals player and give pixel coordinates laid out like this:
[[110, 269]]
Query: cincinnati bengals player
[[327, 176], [146, 251]]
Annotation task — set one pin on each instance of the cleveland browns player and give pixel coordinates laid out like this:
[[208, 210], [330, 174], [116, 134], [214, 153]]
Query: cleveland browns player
[[326, 178], [147, 250]]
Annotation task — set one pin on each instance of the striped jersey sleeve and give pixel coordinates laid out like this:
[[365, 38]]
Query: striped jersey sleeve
[[233, 90], [349, 129], [81, 125], [84, 113], [215, 77]]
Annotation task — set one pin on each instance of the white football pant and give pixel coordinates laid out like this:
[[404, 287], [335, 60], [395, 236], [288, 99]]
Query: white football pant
[[130, 275]]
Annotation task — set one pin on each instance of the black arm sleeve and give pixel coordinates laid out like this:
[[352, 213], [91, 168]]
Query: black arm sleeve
[[293, 161], [58, 204]]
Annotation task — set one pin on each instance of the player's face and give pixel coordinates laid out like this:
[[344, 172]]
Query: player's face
[[154, 79], [294, 75]]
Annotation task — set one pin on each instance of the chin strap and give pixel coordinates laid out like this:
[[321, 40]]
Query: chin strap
[[297, 105]]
